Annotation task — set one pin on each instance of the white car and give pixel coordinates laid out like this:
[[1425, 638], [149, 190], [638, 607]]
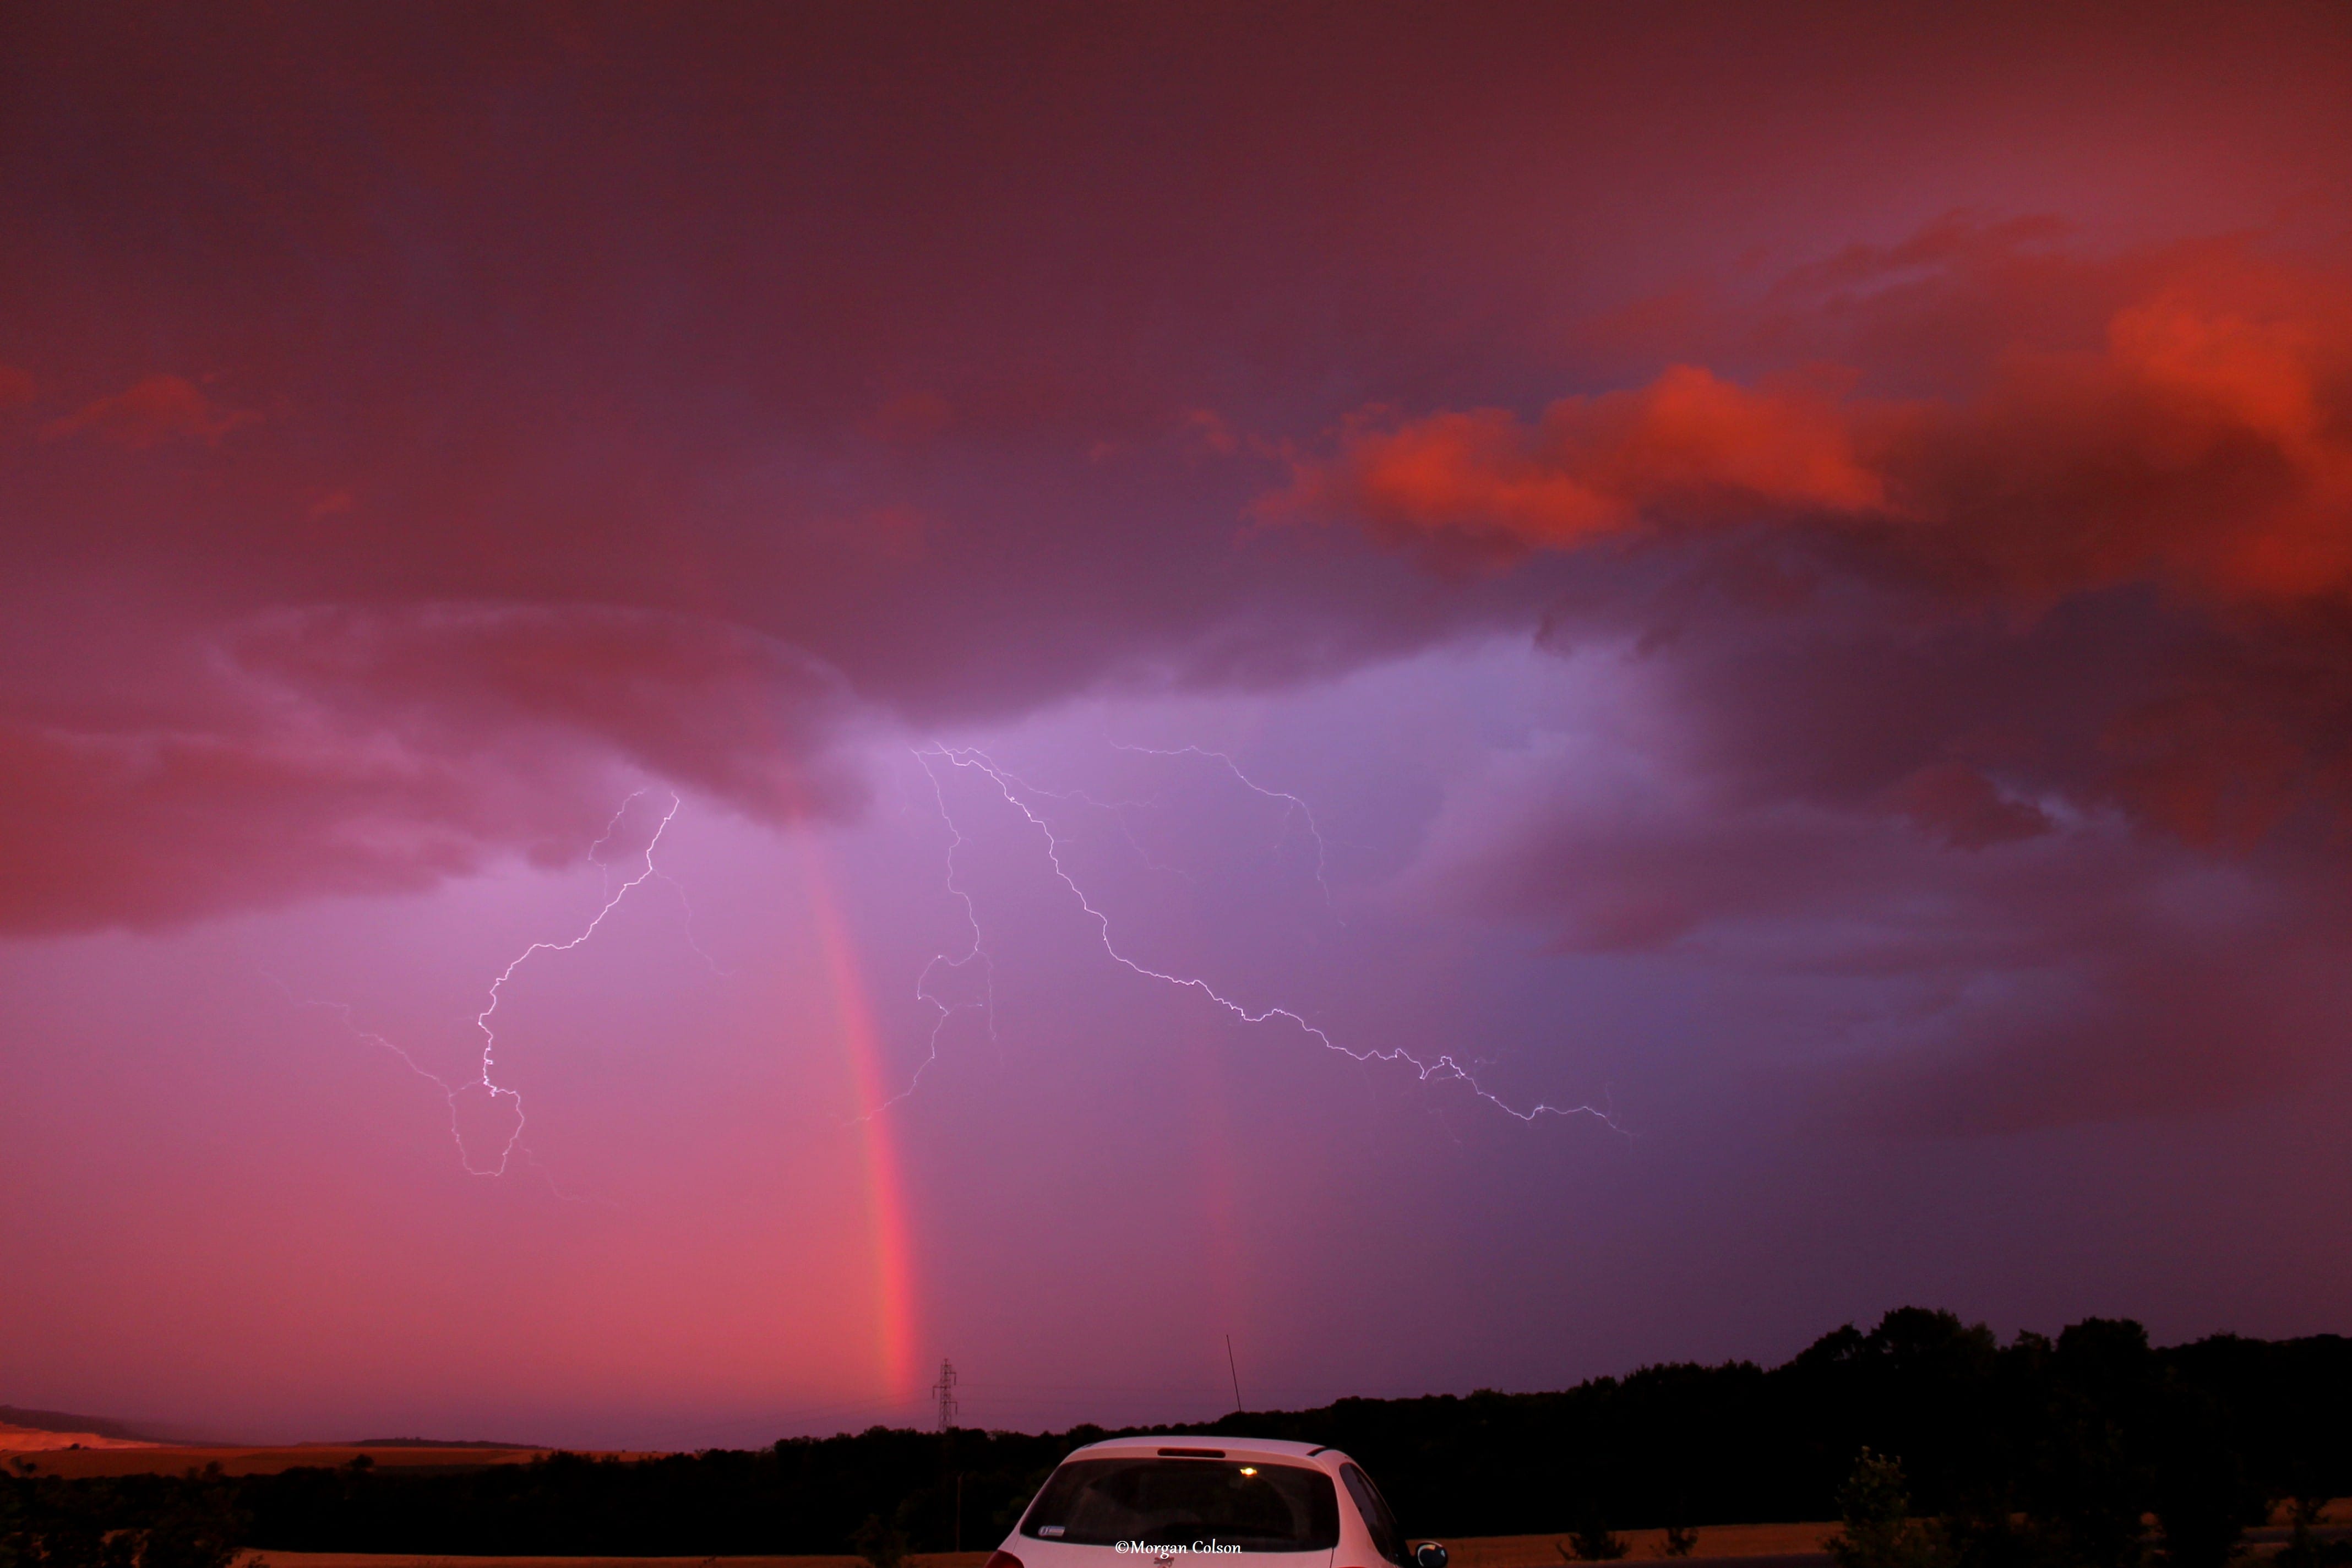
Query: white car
[[1198, 1503]]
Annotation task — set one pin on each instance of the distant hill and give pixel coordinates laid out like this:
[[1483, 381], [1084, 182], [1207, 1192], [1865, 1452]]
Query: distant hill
[[434, 1443], [60, 1421], [67, 1422]]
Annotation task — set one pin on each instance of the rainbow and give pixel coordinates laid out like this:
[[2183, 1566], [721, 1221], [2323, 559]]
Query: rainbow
[[896, 1331]]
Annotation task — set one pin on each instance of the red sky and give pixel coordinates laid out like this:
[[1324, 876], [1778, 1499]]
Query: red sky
[[1783, 572]]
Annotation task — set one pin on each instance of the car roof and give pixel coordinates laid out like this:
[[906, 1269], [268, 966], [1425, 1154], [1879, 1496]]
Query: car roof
[[1181, 1445]]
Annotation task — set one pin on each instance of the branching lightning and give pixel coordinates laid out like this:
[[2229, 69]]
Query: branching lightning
[[975, 954], [1293, 805], [685, 904], [1016, 792], [483, 1083], [1020, 795], [482, 1019]]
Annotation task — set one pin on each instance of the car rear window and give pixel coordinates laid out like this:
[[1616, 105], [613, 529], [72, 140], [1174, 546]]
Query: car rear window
[[1387, 1539], [1232, 1503]]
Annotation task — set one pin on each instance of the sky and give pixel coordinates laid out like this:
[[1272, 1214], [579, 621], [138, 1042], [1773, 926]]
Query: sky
[[702, 704]]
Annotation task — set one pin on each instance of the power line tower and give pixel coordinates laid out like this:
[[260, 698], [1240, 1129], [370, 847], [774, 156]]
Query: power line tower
[[944, 1392]]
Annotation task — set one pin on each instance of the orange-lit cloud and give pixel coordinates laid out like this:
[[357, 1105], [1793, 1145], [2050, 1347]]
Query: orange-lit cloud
[[1688, 449], [154, 409], [2175, 424], [2205, 444]]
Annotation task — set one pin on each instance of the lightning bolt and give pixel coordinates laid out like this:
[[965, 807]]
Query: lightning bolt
[[483, 1082], [1292, 807], [1444, 1067], [482, 1019], [975, 953], [685, 904]]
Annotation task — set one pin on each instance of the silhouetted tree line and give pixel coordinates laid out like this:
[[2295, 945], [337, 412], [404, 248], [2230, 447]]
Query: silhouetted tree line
[[2036, 1454], [126, 1521]]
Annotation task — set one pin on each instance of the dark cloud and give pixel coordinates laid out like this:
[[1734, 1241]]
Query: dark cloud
[[2197, 446], [457, 416], [1964, 809], [342, 751], [713, 706], [1955, 960], [1983, 646], [2205, 444]]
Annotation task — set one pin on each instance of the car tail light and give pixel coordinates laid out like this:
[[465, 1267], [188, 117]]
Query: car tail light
[[1003, 1559]]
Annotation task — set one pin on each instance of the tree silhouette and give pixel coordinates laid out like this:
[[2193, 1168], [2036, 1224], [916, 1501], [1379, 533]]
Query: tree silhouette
[[880, 1541], [1875, 1507]]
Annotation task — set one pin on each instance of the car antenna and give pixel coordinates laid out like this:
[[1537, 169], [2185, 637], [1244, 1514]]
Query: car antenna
[[1236, 1371]]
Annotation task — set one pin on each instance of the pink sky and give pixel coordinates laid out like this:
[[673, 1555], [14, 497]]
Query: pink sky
[[1775, 581]]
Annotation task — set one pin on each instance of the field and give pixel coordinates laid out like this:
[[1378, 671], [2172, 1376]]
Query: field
[[1780, 1545], [1490, 1552]]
